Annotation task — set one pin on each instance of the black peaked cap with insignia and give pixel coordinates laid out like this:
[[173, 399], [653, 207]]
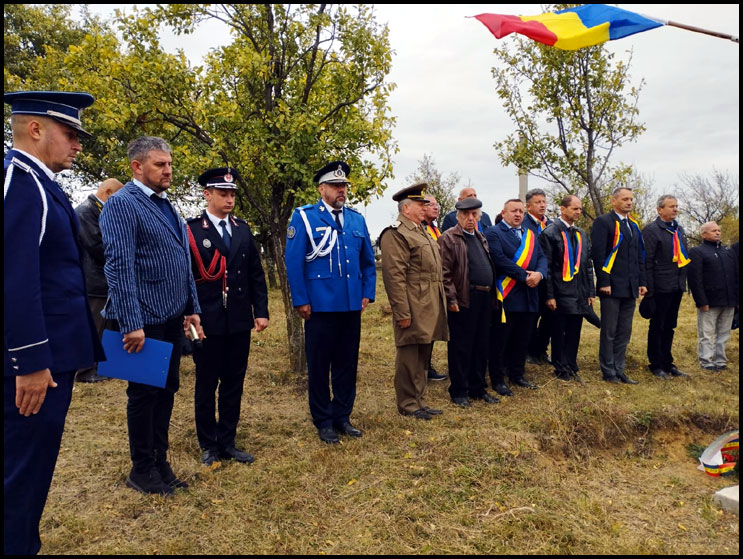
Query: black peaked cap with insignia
[[63, 106], [415, 192], [221, 177], [335, 172]]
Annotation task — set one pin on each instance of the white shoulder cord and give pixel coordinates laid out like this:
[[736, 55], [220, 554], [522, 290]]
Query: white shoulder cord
[[325, 245]]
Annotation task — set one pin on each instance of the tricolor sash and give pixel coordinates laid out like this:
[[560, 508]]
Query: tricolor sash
[[618, 237], [522, 259], [433, 231], [680, 256], [571, 256]]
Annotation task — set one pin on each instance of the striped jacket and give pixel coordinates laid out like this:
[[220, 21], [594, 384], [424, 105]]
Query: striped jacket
[[148, 264]]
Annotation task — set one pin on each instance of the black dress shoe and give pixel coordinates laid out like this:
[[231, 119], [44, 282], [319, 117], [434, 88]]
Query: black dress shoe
[[487, 398], [232, 453], [168, 477], [676, 373], [90, 378], [328, 435], [625, 379], [149, 483], [209, 457], [462, 402], [575, 376], [525, 383], [567, 377], [611, 378], [502, 389], [433, 374], [348, 429], [660, 373], [432, 411], [418, 414]]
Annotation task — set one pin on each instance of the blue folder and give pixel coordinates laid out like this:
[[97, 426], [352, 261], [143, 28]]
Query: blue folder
[[149, 366]]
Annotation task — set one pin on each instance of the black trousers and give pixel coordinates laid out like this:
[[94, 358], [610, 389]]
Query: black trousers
[[221, 361], [661, 330], [469, 334], [148, 408], [508, 345], [30, 449], [332, 346], [565, 340], [540, 336]]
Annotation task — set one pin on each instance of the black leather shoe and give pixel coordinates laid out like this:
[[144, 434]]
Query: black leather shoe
[[502, 389], [676, 373], [348, 429], [90, 378], [209, 457], [462, 402], [431, 411], [613, 379], [487, 398], [525, 383], [168, 477], [544, 359], [563, 376], [328, 435], [660, 373], [625, 379], [232, 453], [433, 374], [418, 414], [575, 376], [149, 483]]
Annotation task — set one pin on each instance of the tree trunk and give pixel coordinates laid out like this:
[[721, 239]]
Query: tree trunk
[[294, 327]]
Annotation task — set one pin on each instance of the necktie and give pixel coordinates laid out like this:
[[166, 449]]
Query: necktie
[[626, 224], [571, 235], [337, 214], [225, 235], [516, 233]]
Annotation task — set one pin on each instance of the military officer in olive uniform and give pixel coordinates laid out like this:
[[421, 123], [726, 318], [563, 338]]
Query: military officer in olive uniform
[[332, 277], [412, 273], [232, 292]]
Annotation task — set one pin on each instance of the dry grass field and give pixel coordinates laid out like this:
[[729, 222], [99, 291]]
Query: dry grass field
[[591, 468]]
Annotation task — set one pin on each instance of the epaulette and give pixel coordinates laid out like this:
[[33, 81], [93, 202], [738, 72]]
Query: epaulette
[[396, 224], [306, 207], [190, 219], [25, 167], [353, 209]]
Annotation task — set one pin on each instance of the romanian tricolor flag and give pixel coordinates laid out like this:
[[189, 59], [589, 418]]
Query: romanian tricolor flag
[[574, 28], [522, 259], [571, 256]]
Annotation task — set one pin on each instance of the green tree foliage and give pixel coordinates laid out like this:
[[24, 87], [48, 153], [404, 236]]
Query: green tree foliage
[[439, 186], [297, 87], [571, 109]]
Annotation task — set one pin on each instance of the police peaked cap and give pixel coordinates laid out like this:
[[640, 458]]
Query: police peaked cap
[[63, 106], [415, 192], [221, 177], [335, 172], [468, 204]]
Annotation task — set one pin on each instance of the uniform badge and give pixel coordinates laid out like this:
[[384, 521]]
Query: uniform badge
[[322, 208], [207, 243], [291, 232], [228, 177]]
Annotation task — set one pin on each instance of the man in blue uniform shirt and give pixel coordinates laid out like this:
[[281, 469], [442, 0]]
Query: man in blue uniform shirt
[[49, 331], [332, 277]]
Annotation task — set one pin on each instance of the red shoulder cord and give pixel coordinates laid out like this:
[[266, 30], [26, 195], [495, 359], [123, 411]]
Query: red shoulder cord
[[208, 275]]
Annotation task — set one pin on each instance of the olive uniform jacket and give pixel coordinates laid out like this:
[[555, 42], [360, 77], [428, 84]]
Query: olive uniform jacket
[[412, 274]]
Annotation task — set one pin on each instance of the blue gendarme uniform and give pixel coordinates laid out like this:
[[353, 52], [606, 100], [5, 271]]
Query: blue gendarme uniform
[[331, 269]]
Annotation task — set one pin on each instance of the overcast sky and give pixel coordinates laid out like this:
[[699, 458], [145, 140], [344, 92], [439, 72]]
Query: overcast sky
[[446, 106]]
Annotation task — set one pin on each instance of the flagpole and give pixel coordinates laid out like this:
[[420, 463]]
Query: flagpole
[[733, 38]]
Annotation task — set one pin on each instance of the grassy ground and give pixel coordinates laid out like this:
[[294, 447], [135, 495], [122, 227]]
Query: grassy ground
[[591, 468]]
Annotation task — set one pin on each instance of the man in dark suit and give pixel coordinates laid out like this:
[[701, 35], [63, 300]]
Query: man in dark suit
[[91, 241], [519, 267], [569, 287], [234, 299], [49, 331], [151, 294], [619, 262], [666, 258], [450, 219], [536, 219]]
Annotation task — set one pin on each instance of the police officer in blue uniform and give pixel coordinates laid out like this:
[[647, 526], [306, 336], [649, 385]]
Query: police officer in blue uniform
[[232, 292], [49, 330], [332, 277]]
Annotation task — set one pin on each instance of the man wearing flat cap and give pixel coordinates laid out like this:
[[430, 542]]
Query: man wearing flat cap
[[233, 296], [332, 278], [49, 330], [411, 269], [469, 283]]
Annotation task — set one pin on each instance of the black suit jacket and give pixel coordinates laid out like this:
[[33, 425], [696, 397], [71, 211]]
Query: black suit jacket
[[247, 295], [628, 273]]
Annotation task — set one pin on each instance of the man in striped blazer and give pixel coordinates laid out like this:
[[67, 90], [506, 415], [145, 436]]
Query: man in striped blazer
[[151, 289]]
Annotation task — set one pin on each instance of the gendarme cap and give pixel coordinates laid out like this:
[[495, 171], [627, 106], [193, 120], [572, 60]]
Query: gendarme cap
[[221, 177], [335, 172], [63, 106]]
